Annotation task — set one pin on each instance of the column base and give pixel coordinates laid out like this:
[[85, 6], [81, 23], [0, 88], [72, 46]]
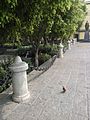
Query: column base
[[22, 99], [61, 56]]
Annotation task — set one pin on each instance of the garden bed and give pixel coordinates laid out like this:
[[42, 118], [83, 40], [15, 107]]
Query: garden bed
[[47, 64]]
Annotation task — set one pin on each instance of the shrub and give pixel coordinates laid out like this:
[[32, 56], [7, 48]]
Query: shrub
[[43, 57], [54, 50], [30, 64], [10, 45], [49, 49], [2, 72], [45, 48], [22, 51], [5, 73]]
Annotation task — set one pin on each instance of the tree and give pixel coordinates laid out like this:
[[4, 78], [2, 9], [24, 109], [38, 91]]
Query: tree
[[37, 19], [9, 22], [69, 16], [6, 11]]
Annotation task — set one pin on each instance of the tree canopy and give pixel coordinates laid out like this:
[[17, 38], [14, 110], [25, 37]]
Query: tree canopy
[[37, 19]]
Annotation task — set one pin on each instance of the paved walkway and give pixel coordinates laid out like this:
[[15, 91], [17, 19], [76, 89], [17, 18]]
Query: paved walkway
[[47, 102]]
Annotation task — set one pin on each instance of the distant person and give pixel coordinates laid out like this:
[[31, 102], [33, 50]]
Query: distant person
[[87, 26], [86, 35]]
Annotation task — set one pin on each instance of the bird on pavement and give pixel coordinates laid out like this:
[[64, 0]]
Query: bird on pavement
[[64, 89]]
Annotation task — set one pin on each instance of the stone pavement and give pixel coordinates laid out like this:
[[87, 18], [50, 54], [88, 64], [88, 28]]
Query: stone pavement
[[47, 102]]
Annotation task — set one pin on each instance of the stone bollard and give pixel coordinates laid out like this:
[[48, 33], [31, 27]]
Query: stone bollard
[[69, 45], [74, 41], [61, 51], [19, 81], [71, 41]]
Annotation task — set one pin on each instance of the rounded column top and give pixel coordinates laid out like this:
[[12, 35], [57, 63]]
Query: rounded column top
[[61, 46], [18, 59], [69, 41], [19, 65]]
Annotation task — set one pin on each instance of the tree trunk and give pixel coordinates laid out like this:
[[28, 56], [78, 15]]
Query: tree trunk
[[52, 41], [45, 41], [36, 58]]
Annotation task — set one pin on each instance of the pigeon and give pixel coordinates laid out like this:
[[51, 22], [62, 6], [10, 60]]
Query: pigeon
[[64, 89]]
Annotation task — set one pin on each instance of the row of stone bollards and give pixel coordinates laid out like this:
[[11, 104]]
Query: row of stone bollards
[[19, 80], [73, 41]]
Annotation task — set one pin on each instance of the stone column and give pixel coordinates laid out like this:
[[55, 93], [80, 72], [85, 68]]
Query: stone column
[[71, 41], [61, 51], [69, 45], [19, 81], [74, 41]]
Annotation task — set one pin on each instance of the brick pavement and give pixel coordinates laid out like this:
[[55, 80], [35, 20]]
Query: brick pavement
[[47, 102]]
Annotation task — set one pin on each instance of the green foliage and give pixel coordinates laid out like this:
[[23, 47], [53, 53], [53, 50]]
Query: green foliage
[[5, 73], [6, 11], [22, 51], [38, 19], [10, 25], [30, 64], [43, 57], [32, 20], [45, 48], [49, 49], [69, 16], [2, 72], [54, 50], [10, 45]]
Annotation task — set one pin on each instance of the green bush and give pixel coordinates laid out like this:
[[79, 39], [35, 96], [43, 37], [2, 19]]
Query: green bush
[[30, 64], [22, 51], [11, 45], [2, 72], [43, 57], [5, 73], [49, 49], [54, 50], [45, 48]]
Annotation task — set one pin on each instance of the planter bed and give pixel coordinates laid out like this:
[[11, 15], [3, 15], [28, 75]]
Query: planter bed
[[47, 64]]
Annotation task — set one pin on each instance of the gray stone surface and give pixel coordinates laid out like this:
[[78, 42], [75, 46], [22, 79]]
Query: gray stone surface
[[47, 102]]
